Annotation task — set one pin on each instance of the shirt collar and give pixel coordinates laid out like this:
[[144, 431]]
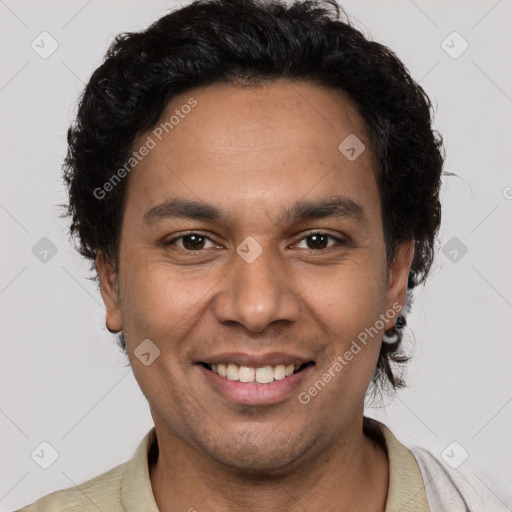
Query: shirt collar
[[136, 492], [405, 492]]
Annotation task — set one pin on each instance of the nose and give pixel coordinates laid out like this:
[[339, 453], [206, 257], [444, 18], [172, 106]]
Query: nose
[[256, 294]]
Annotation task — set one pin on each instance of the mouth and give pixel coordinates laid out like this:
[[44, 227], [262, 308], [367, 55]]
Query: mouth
[[270, 379], [262, 375]]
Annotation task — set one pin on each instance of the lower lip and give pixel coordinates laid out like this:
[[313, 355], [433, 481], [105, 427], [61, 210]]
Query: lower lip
[[255, 394]]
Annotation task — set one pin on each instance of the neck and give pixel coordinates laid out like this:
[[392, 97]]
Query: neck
[[349, 474]]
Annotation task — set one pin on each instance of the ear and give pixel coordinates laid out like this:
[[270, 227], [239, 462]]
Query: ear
[[109, 292], [398, 276]]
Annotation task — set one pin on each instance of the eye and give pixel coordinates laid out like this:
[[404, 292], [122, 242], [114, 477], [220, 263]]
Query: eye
[[191, 242], [195, 241], [320, 239]]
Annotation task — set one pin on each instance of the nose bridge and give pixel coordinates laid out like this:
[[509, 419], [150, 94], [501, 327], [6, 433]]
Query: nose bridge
[[256, 292]]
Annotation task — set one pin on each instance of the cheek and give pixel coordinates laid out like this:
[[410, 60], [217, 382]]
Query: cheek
[[350, 299], [157, 298], [349, 311]]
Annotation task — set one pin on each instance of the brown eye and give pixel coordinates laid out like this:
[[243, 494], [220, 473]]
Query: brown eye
[[319, 241], [191, 241]]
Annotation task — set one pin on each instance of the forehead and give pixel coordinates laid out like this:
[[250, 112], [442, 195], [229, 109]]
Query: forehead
[[244, 145]]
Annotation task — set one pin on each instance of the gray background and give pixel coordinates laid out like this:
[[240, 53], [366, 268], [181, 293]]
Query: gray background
[[62, 379]]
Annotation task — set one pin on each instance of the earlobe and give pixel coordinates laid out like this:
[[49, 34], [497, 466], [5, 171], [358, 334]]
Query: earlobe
[[109, 292], [398, 277]]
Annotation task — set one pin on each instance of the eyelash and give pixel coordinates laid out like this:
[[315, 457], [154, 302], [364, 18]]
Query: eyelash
[[340, 241]]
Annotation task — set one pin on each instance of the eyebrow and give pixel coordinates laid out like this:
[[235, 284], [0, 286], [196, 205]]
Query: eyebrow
[[177, 207]]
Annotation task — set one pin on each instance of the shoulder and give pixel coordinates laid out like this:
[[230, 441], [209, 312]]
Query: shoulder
[[102, 492], [462, 488], [122, 488], [454, 484]]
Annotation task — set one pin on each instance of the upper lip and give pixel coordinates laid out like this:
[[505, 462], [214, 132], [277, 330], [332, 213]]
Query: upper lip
[[256, 360]]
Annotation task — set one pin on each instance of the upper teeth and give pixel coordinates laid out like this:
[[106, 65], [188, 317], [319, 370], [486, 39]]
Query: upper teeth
[[260, 375]]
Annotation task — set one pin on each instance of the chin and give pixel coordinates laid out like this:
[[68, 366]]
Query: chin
[[257, 463], [255, 456]]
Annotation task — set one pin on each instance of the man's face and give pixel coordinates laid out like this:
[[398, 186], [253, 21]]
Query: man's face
[[261, 283]]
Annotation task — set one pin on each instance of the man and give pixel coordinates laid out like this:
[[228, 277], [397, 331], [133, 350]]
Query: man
[[256, 185]]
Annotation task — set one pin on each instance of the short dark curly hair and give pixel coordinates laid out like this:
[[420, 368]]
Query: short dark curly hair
[[249, 42]]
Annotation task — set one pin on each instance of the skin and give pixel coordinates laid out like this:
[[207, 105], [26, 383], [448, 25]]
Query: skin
[[251, 152]]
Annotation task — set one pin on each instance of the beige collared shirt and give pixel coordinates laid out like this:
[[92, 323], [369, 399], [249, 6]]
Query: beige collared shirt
[[127, 487]]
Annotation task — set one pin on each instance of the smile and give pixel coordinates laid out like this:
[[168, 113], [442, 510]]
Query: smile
[[264, 375], [247, 385]]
